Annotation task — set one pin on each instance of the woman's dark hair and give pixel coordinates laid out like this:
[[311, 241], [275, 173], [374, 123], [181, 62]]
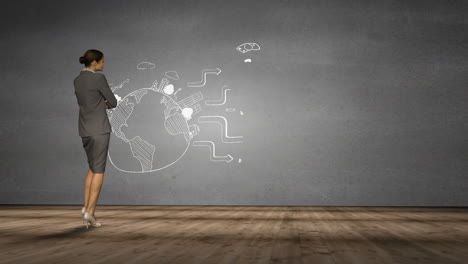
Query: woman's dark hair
[[90, 56]]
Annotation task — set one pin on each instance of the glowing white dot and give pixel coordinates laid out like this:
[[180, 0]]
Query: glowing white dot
[[240, 160], [247, 60], [169, 89], [118, 97], [187, 113]]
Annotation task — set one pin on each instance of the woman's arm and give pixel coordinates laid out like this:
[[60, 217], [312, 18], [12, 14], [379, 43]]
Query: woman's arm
[[111, 101]]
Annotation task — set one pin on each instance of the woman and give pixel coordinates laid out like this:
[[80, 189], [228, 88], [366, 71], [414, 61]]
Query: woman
[[94, 96]]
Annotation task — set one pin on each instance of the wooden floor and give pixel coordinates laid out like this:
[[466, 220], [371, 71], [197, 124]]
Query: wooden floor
[[234, 234]]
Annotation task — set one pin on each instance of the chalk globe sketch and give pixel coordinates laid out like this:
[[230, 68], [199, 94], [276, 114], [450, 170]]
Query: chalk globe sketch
[[149, 131]]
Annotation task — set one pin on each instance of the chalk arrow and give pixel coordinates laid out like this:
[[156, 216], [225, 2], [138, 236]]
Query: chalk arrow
[[217, 102], [224, 125], [212, 147], [216, 71]]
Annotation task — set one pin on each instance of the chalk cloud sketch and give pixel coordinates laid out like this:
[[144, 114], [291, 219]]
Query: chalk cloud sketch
[[172, 75], [145, 65], [176, 122], [246, 47]]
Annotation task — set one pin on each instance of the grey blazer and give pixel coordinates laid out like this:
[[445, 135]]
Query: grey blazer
[[91, 89]]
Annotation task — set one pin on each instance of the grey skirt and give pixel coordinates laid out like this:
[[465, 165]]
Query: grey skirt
[[96, 148]]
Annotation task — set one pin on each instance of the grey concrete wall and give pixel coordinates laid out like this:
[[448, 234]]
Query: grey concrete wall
[[346, 103]]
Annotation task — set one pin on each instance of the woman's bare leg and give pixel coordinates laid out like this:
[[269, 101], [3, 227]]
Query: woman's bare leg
[[95, 190], [87, 189]]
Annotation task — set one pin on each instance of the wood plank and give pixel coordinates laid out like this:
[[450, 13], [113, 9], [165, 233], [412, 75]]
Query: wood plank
[[234, 234]]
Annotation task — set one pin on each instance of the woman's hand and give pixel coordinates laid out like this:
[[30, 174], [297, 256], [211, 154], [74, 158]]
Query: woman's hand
[[107, 106]]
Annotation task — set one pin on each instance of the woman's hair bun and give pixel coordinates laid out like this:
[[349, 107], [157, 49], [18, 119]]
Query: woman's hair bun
[[90, 56]]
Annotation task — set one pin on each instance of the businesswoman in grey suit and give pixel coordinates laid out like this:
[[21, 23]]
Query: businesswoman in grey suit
[[94, 96]]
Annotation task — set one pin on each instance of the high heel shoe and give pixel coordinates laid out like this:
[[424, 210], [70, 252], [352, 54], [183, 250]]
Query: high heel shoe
[[90, 220], [83, 211]]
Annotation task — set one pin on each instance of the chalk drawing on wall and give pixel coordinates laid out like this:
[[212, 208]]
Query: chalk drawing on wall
[[145, 65], [172, 75], [213, 157], [116, 87], [222, 121], [202, 83], [222, 101], [246, 47], [175, 123], [136, 132]]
